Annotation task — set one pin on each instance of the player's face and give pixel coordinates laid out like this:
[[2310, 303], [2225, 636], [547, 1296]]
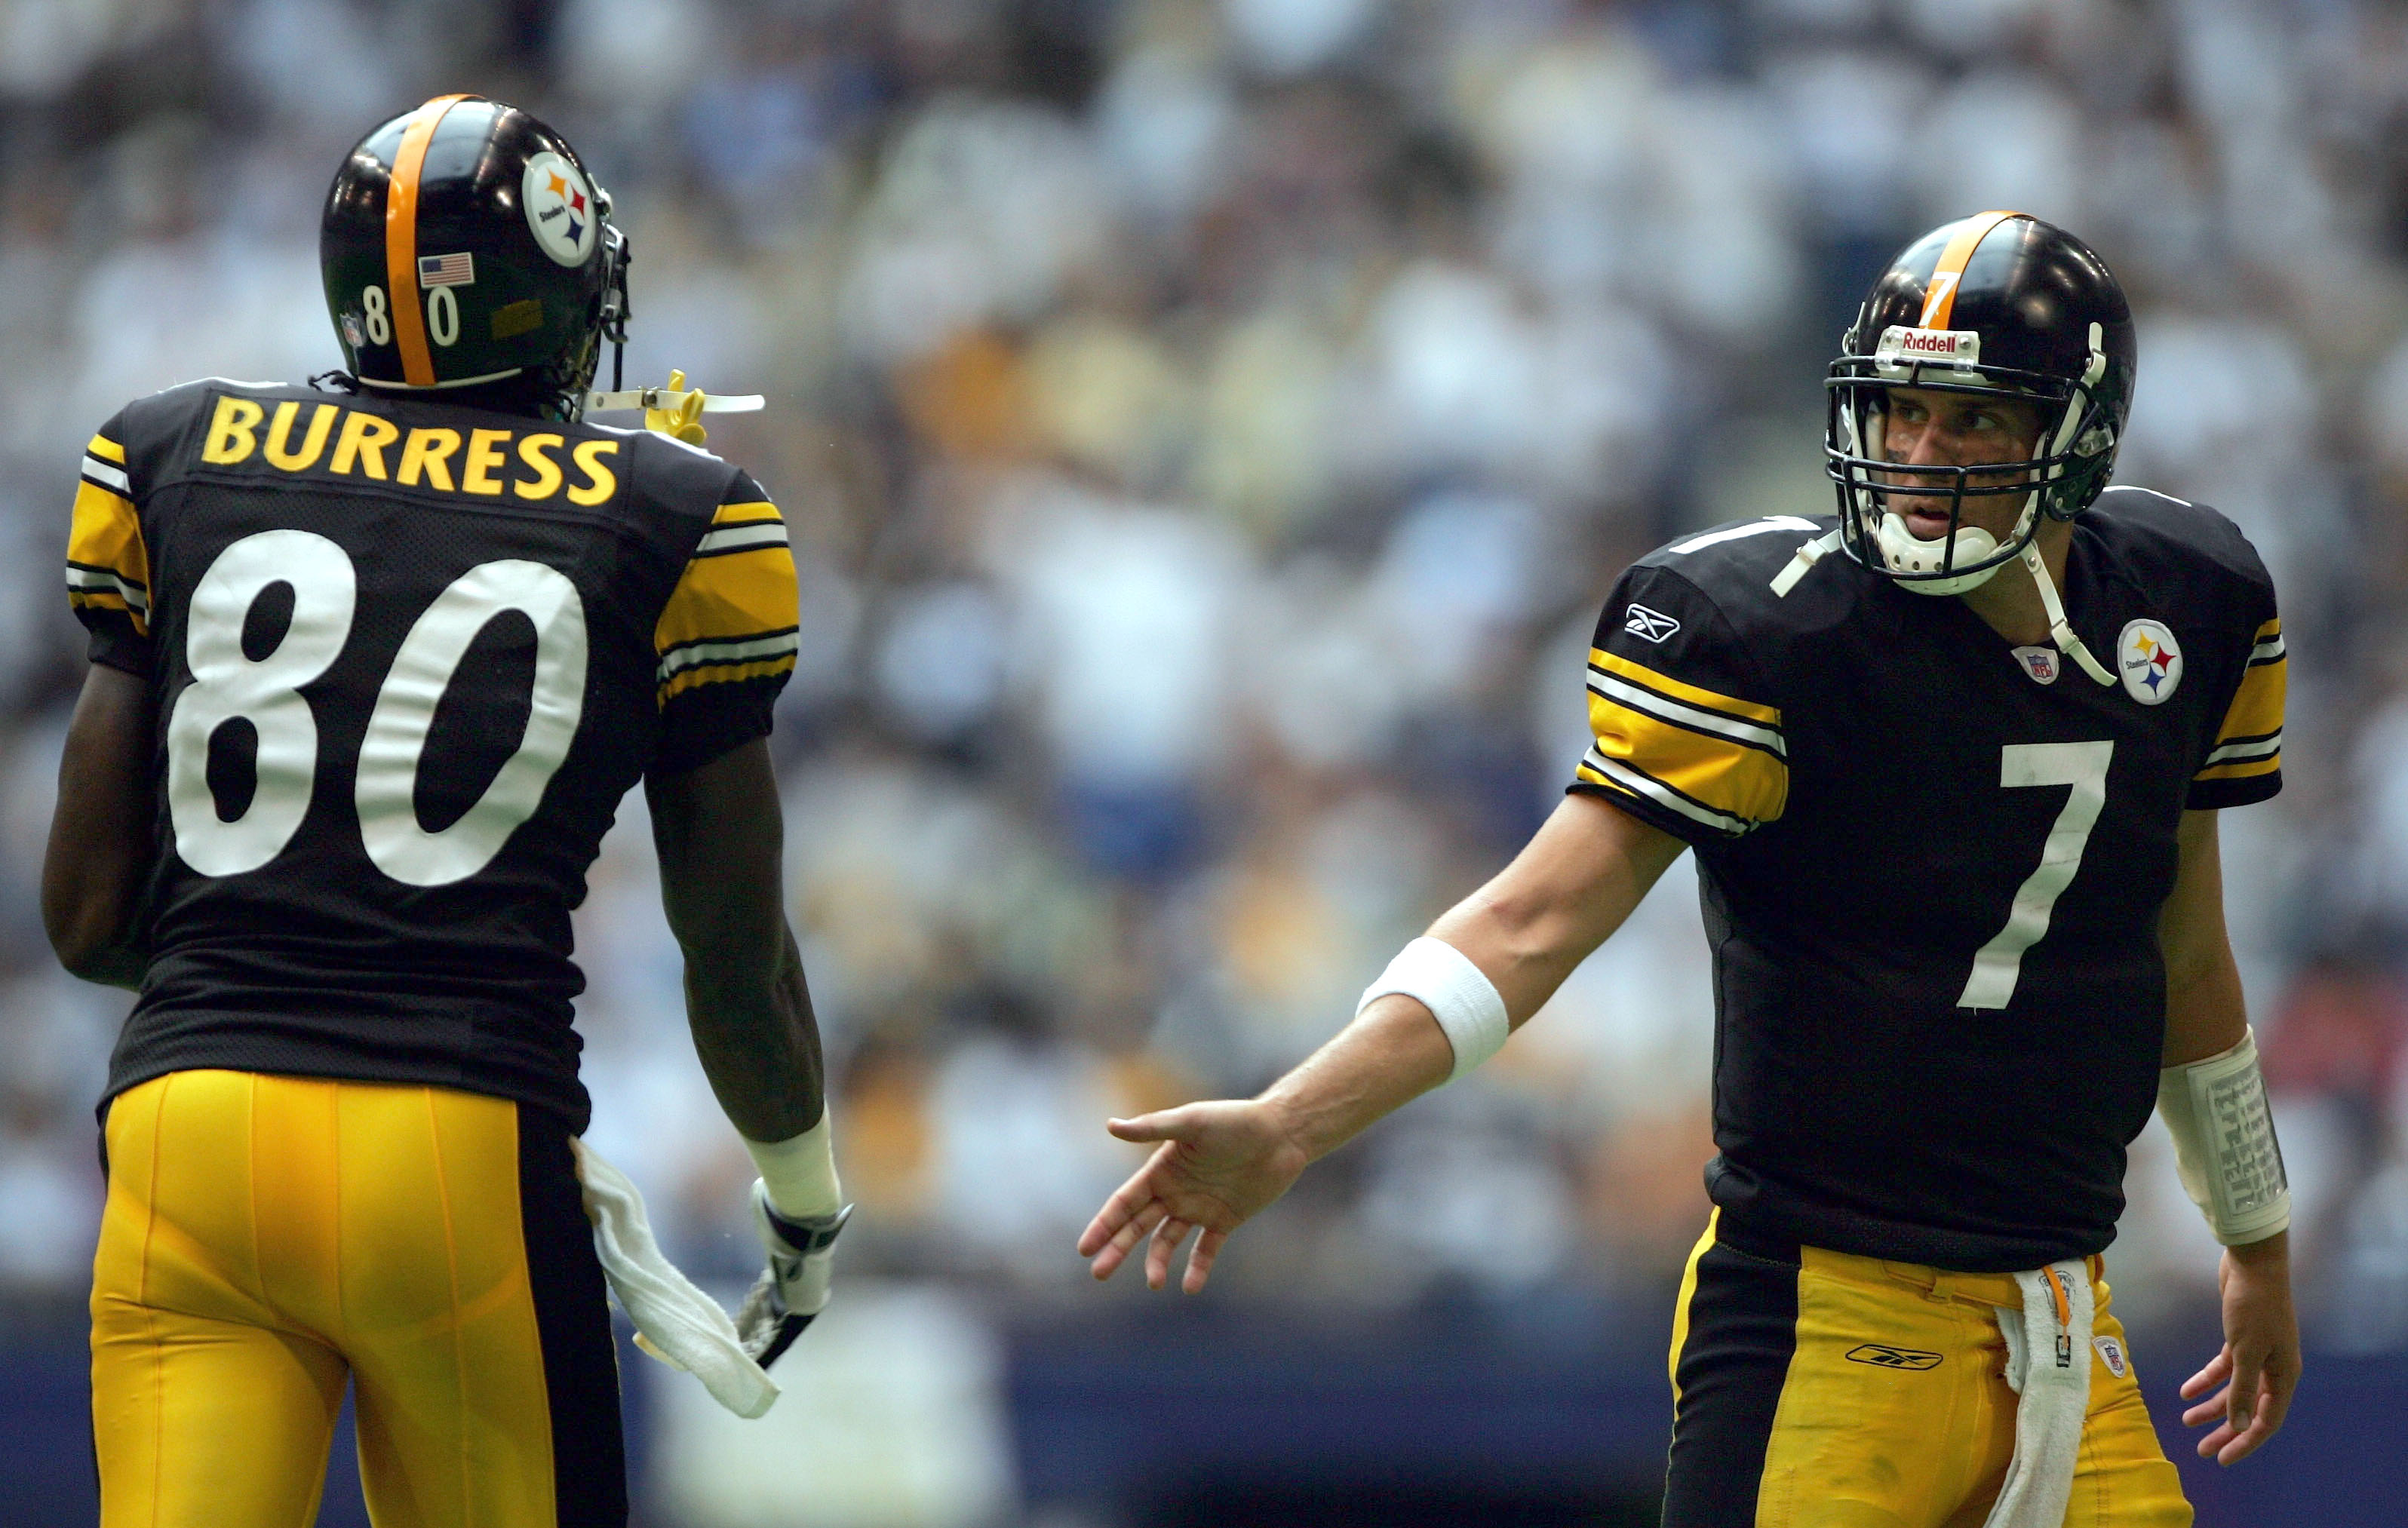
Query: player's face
[[1929, 428]]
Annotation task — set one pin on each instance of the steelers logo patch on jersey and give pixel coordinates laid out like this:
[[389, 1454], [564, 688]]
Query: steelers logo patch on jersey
[[559, 208], [2150, 660]]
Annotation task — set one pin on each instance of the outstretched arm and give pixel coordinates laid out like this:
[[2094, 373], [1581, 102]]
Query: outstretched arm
[[1220, 1161], [100, 848], [2248, 1385]]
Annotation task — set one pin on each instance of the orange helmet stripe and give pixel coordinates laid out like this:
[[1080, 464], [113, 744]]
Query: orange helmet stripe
[[1940, 296], [401, 241]]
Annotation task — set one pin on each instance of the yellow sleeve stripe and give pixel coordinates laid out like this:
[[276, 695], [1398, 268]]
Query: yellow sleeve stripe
[[2246, 769], [104, 552], [742, 514], [2250, 741], [2257, 709], [106, 599], [746, 593], [1720, 781], [1673, 690], [106, 450], [1614, 690], [693, 677], [2267, 646]]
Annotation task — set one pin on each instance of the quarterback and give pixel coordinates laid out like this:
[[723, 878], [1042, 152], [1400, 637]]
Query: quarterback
[[373, 662], [1951, 764]]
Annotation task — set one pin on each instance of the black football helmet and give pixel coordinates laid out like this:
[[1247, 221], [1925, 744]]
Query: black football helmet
[[465, 243], [2003, 305]]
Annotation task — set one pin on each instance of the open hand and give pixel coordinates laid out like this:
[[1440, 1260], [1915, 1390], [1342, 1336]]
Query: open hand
[[1219, 1162], [2259, 1366]]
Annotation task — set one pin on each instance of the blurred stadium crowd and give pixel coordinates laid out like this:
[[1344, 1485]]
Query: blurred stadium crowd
[[1209, 428]]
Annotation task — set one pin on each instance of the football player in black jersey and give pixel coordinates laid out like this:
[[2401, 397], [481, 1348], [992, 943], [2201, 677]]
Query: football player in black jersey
[[1954, 799], [372, 665]]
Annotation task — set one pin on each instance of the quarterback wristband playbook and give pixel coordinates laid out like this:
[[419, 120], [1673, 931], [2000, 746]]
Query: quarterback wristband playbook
[[2230, 1163], [1463, 1000]]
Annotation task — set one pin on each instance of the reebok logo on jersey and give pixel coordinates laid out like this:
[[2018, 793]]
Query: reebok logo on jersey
[[1882, 1356], [1649, 625], [2040, 663], [2149, 659]]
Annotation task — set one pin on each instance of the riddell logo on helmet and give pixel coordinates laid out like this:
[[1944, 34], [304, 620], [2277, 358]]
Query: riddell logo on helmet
[[1901, 343]]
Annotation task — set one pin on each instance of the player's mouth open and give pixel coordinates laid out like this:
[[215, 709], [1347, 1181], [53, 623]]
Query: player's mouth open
[[1927, 523]]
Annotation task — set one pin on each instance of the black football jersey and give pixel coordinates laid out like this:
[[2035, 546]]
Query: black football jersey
[[1932, 863], [407, 659]]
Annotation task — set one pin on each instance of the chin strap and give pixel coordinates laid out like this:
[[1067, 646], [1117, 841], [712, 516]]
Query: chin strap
[[1798, 566], [2059, 630]]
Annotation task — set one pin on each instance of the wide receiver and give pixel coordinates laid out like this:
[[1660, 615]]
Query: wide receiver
[[1953, 797], [373, 665]]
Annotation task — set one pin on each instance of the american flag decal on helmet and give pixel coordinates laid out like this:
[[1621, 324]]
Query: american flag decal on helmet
[[449, 270]]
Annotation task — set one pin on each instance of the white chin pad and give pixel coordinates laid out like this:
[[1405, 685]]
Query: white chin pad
[[1908, 553]]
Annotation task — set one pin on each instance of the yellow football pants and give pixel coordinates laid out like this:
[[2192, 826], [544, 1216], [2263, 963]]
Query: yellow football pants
[[1819, 1389], [267, 1237]]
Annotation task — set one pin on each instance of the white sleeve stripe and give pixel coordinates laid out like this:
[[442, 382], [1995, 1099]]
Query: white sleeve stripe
[[2270, 650], [2233, 752], [136, 597], [767, 533], [699, 654], [106, 475], [1640, 783], [1625, 693]]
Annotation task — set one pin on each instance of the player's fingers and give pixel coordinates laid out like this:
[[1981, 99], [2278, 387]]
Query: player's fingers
[[1157, 1257], [2211, 1446], [1115, 1250], [2215, 1372], [1126, 1203], [2240, 1399], [1199, 1262], [2211, 1410], [2272, 1403], [1161, 1126]]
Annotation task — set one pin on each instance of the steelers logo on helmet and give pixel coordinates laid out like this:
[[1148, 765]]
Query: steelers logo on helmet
[[560, 209], [2150, 660]]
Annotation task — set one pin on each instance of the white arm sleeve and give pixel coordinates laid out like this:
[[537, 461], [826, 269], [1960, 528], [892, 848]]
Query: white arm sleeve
[[2230, 1163], [1458, 994]]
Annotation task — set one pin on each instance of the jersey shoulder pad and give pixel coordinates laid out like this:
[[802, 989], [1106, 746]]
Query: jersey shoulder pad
[[1734, 566], [686, 482], [2165, 541]]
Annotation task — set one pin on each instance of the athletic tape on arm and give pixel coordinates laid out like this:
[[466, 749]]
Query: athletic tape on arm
[[2230, 1163], [1463, 1000]]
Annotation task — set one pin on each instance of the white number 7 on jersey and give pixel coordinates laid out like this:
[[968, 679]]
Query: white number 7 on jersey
[[2083, 767]]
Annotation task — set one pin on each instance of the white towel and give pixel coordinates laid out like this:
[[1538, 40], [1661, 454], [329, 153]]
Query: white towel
[[675, 1322], [2048, 1364]]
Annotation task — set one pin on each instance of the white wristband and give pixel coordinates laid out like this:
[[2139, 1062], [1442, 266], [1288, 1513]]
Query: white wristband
[[799, 1172], [1463, 1000], [2225, 1149]]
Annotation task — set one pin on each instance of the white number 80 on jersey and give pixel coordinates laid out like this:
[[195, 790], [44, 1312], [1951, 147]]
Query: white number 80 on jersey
[[227, 685]]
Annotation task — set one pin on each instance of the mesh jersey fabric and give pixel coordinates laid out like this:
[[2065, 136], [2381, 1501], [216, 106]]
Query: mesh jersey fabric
[[407, 658]]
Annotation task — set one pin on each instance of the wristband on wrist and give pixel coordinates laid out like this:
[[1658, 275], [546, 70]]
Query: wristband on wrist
[[2224, 1149], [1458, 994], [798, 1174]]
